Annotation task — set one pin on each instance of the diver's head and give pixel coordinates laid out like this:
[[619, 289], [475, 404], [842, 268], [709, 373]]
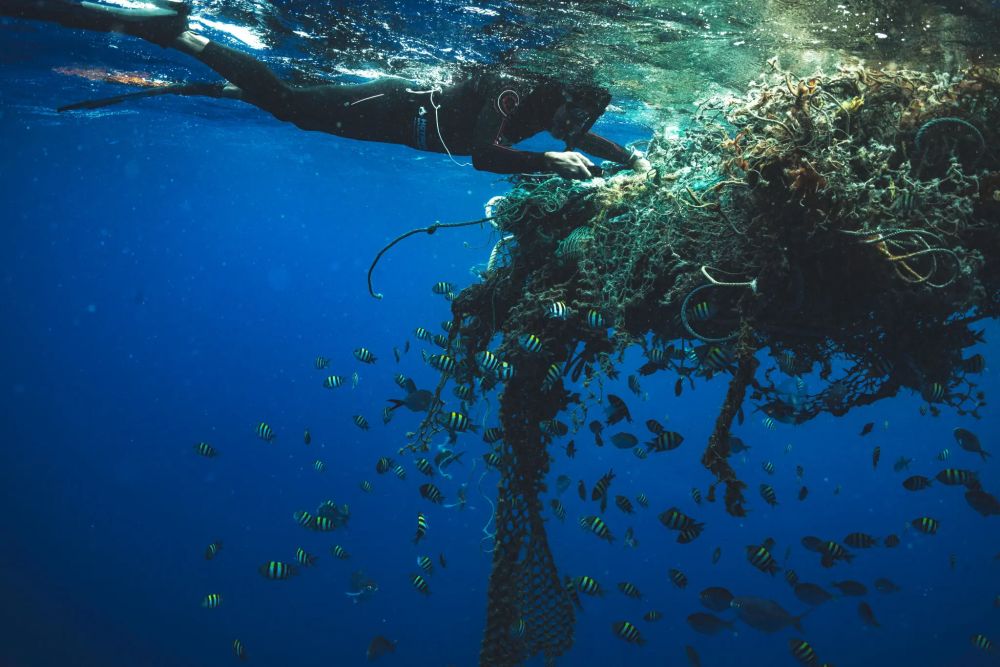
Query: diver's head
[[581, 107]]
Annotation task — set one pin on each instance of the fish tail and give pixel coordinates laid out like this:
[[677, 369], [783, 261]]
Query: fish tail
[[984, 454]]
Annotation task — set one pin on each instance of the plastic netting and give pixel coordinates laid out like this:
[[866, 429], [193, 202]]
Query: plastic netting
[[842, 228]]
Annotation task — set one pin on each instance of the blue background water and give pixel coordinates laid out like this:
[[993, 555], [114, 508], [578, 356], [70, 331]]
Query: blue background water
[[169, 272]]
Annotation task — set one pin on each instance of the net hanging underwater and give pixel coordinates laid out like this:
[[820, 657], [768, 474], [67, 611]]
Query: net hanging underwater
[[844, 224]]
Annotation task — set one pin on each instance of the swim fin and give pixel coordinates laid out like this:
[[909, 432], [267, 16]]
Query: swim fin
[[160, 22], [187, 89]]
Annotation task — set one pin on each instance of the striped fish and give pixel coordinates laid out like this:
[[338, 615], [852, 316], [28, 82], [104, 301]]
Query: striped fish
[[597, 526], [212, 601], [333, 381], [303, 557], [442, 288], [364, 355], [595, 320], [530, 343], [212, 550], [321, 362], [277, 570], [239, 650], [206, 450], [421, 528], [420, 584], [360, 422], [264, 432], [339, 552], [587, 585], [628, 632], [558, 310], [367, 487], [552, 375]]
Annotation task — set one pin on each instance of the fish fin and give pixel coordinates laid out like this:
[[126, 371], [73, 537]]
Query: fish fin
[[395, 403]]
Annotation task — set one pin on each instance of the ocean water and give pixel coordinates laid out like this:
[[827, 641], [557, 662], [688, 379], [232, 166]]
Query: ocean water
[[170, 269]]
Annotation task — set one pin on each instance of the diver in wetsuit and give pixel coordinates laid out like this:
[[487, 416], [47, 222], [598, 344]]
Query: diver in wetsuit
[[482, 117]]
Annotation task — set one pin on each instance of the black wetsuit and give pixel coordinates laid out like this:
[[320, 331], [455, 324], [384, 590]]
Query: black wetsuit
[[481, 117]]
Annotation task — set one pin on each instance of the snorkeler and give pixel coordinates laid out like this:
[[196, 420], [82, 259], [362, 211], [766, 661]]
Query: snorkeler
[[482, 116]]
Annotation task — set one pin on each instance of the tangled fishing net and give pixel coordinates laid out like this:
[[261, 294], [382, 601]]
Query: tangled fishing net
[[845, 226]]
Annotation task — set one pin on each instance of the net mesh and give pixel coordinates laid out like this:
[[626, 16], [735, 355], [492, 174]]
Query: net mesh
[[839, 227]]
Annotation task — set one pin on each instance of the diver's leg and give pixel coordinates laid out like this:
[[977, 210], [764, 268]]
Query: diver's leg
[[255, 80]]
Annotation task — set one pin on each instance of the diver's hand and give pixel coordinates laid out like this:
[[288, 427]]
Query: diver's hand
[[570, 164]]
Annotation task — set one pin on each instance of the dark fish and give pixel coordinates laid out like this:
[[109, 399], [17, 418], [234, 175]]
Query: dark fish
[[969, 441], [558, 509], [876, 455], [883, 585], [395, 353], [736, 445], [867, 615], [630, 540], [916, 483], [803, 492], [678, 578], [642, 500], [360, 422], [307, 437], [901, 464], [814, 544], [692, 656], [678, 386], [652, 616], [617, 410], [571, 449], [850, 587], [764, 615], [378, 647], [582, 490], [891, 541], [716, 555], [562, 483], [442, 561], [716, 598], [419, 400], [811, 594], [239, 650], [768, 494], [596, 427], [792, 577], [696, 495], [984, 503], [624, 440], [867, 428], [708, 624], [628, 632]]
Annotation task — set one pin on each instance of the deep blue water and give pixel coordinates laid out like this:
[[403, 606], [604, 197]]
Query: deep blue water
[[170, 271]]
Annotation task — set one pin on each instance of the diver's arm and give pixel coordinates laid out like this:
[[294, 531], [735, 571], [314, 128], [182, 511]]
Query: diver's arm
[[609, 150], [489, 153]]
